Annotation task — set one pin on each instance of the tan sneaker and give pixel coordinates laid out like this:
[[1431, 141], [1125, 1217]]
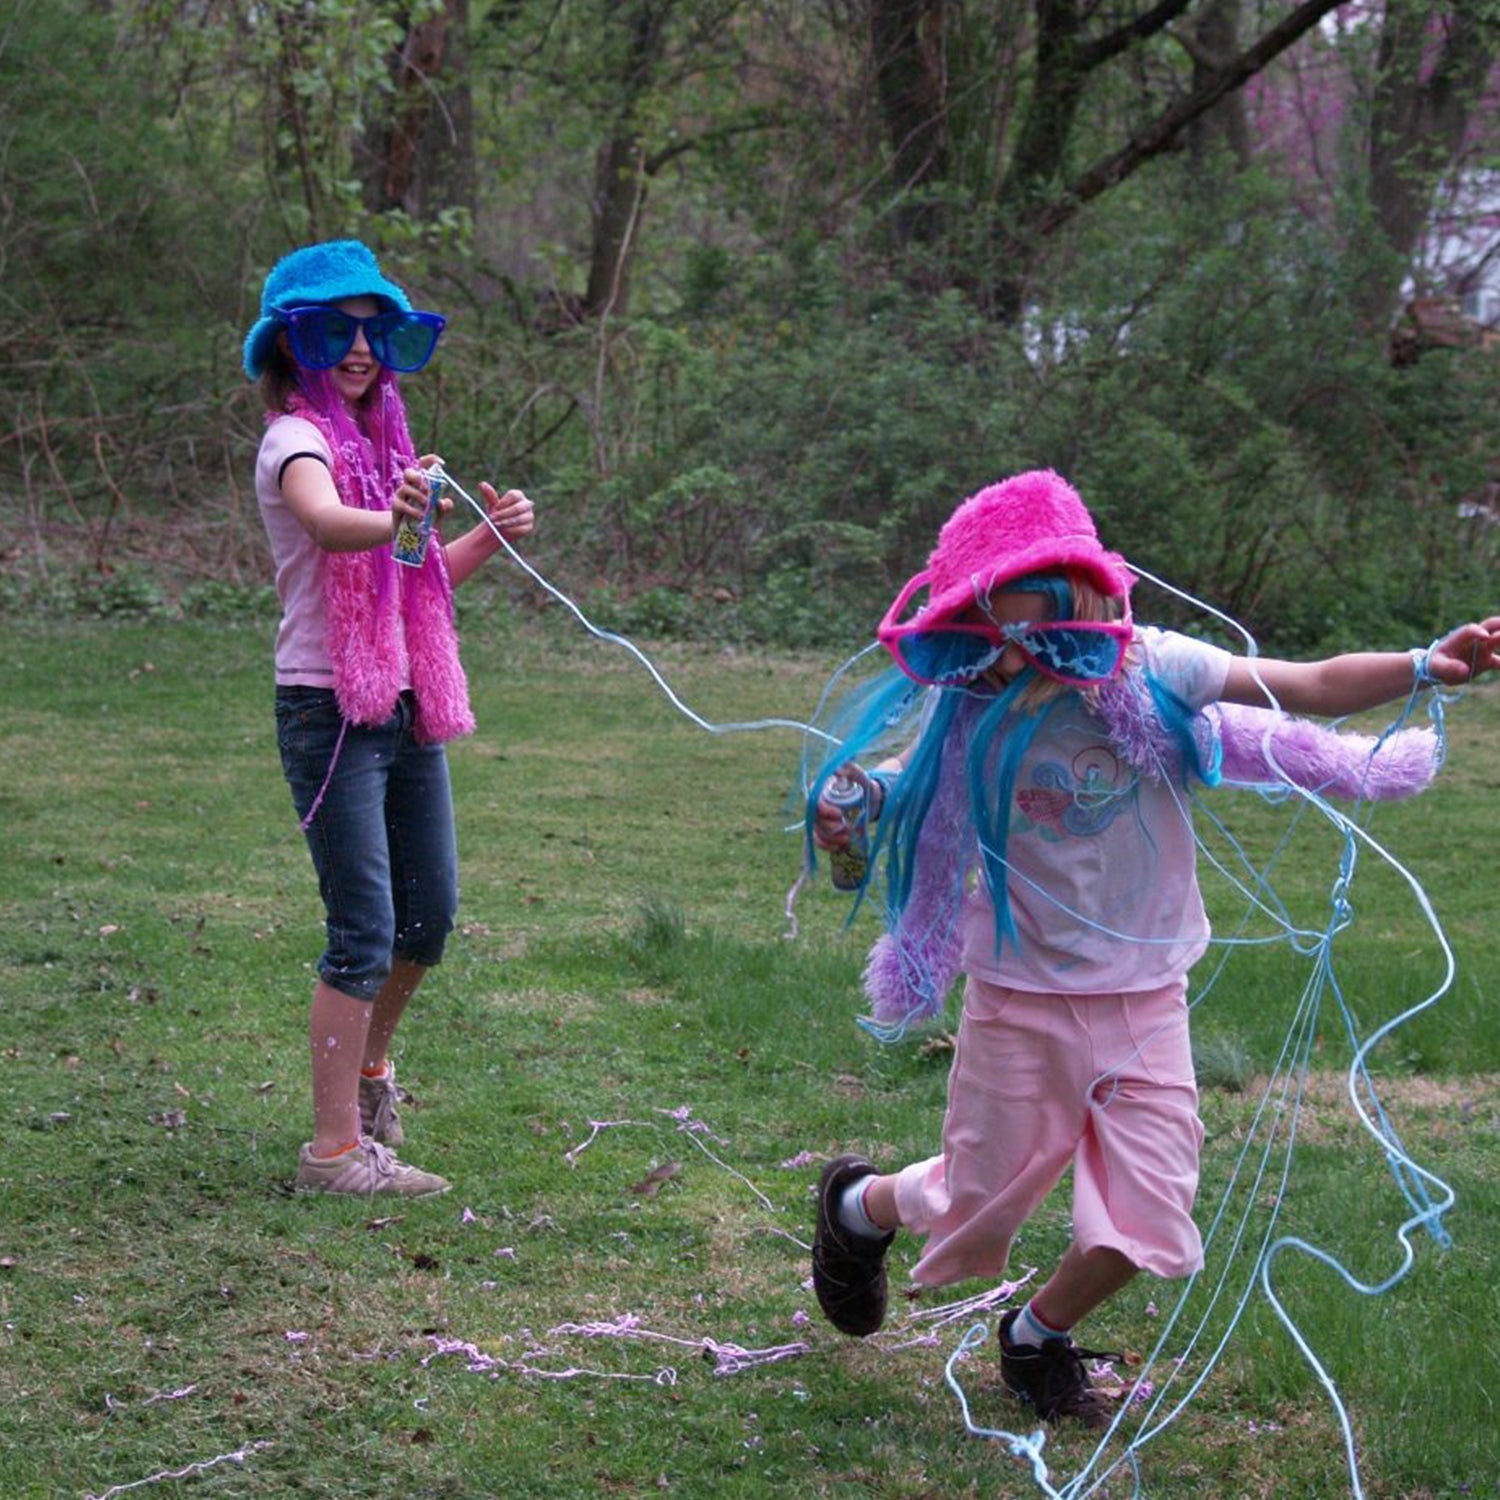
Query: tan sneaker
[[377, 1108], [367, 1169]]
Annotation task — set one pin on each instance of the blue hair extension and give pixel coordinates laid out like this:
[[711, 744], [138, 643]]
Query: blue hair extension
[[907, 802], [992, 789], [1178, 720]]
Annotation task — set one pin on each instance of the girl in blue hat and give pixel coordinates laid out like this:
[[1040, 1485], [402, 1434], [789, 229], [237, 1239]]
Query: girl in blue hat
[[369, 686]]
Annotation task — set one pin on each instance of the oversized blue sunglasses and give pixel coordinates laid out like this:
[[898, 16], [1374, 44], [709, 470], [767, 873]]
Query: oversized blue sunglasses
[[321, 336]]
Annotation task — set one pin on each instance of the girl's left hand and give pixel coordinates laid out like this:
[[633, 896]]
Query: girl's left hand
[[512, 513], [1466, 652]]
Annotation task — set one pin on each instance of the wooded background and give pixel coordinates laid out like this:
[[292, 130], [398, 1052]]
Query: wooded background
[[749, 293]]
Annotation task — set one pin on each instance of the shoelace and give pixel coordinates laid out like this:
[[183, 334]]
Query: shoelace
[[1064, 1380], [382, 1158], [385, 1107]]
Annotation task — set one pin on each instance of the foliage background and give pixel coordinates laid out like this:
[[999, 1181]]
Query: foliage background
[[799, 360]]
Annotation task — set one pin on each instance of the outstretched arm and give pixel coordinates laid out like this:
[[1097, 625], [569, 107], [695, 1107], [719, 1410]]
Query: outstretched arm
[[1340, 685], [512, 513]]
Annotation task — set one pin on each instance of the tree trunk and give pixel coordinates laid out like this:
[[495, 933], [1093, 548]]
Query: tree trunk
[[1431, 72], [906, 43], [619, 169], [423, 161], [1215, 40]]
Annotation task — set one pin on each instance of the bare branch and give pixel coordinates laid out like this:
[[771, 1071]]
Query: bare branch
[[1162, 134]]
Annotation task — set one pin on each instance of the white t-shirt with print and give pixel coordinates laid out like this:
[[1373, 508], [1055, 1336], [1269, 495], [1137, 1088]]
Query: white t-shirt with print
[[1102, 865]]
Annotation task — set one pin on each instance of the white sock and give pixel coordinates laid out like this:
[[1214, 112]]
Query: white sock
[[1028, 1329], [852, 1213]]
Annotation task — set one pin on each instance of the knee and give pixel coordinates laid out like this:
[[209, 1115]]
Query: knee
[[422, 932]]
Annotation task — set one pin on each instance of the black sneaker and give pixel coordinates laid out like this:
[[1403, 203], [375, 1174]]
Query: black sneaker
[[1051, 1377], [848, 1269]]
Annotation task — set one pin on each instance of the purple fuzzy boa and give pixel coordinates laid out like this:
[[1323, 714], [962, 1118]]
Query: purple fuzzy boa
[[1264, 747], [912, 966]]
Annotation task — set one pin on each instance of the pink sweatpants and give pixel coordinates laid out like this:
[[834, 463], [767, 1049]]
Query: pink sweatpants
[[1101, 1082]]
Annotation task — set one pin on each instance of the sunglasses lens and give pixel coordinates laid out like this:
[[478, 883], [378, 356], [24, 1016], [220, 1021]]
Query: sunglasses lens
[[1073, 655], [321, 336], [404, 341], [946, 657]]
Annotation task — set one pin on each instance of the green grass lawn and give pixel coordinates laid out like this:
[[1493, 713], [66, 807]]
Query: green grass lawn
[[631, 1076]]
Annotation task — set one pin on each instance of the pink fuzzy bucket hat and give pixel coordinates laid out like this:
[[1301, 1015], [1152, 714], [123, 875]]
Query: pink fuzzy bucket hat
[[1031, 523]]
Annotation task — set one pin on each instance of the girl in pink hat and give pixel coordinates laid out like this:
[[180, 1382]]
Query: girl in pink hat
[[1036, 835], [369, 686]]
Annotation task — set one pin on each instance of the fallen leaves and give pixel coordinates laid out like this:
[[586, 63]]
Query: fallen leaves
[[654, 1180]]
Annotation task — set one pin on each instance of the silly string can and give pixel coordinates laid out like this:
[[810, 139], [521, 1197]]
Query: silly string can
[[849, 863], [410, 546]]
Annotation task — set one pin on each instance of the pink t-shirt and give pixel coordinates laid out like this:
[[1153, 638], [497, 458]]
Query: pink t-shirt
[[1103, 885], [301, 647]]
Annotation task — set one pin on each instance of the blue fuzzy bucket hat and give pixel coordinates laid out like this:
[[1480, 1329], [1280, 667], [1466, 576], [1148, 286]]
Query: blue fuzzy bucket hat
[[317, 273]]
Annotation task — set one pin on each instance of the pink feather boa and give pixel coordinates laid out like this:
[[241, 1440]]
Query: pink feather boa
[[387, 624], [913, 965]]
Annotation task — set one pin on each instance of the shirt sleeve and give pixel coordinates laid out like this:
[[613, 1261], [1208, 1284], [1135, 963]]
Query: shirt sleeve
[[287, 438], [1195, 670]]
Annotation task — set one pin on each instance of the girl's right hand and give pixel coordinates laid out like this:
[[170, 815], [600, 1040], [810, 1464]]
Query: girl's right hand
[[410, 498], [830, 825]]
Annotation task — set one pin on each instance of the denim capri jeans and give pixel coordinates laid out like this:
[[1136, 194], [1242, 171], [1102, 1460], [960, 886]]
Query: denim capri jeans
[[382, 838]]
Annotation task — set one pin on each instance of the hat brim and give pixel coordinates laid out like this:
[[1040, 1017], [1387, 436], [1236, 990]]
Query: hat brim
[[1106, 571], [258, 346]]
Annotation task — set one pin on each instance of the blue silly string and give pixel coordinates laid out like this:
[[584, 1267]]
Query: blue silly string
[[1244, 1225], [1261, 1173], [615, 639], [611, 636]]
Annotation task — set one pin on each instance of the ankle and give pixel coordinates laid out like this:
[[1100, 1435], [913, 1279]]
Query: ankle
[[328, 1150], [858, 1214], [1029, 1330]]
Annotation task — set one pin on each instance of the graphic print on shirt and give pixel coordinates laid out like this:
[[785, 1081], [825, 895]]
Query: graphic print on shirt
[[1078, 800]]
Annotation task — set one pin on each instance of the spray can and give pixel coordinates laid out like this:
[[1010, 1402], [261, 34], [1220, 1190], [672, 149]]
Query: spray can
[[849, 863], [410, 546]]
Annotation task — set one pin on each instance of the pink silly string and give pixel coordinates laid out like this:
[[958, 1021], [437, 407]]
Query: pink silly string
[[729, 1359], [903, 1336], [317, 801], [111, 1404], [953, 1312], [176, 1395], [695, 1130], [786, 1234], [480, 1363]]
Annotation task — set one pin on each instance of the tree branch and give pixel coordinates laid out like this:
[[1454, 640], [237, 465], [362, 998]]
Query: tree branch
[[1099, 51], [1163, 132], [652, 164]]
